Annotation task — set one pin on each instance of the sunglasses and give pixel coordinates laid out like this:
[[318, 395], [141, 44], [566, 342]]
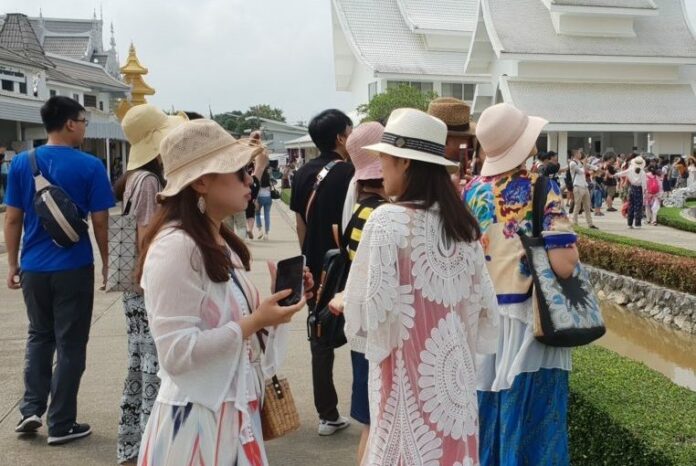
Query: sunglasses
[[243, 172]]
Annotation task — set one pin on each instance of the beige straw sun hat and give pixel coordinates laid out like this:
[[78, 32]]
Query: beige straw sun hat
[[145, 126], [413, 134], [198, 148], [507, 135], [455, 113]]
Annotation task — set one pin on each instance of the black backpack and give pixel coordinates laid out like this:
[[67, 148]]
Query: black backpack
[[58, 214]]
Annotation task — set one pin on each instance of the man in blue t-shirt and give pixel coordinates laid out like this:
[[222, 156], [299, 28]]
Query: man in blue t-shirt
[[57, 283]]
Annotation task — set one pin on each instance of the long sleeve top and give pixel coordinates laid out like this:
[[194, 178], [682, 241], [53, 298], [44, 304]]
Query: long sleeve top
[[635, 179], [202, 354]]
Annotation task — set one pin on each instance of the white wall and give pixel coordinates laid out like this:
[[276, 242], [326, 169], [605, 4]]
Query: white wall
[[671, 143], [362, 77]]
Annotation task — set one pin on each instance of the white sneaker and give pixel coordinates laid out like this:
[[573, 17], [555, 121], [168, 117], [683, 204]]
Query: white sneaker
[[331, 427]]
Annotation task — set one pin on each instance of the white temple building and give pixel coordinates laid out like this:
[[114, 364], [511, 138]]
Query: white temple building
[[607, 74]]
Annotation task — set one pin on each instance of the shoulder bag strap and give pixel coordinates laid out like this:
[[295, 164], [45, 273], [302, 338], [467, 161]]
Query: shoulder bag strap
[[40, 182], [138, 184], [540, 194], [320, 177]]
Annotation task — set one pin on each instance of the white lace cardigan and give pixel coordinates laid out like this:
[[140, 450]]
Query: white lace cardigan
[[202, 355]]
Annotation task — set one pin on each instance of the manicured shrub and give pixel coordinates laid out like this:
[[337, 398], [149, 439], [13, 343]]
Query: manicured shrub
[[622, 413], [285, 195], [633, 242], [671, 217], [660, 268]]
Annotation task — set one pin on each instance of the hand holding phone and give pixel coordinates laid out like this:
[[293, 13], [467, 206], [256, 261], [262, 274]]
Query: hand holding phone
[[290, 275]]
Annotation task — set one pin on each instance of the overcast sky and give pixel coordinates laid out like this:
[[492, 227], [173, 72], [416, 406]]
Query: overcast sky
[[230, 54]]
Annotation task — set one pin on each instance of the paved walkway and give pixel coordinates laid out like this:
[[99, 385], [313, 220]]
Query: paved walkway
[[106, 368], [614, 222]]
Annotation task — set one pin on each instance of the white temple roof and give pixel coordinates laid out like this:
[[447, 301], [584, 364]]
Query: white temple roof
[[525, 27], [380, 37], [443, 15], [647, 4], [567, 103]]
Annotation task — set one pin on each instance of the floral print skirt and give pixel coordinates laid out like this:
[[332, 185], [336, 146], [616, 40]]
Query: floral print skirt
[[193, 435]]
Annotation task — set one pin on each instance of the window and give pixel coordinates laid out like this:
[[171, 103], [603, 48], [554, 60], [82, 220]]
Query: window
[[421, 86], [101, 105], [76, 97], [7, 85], [23, 87], [53, 93], [371, 90], [459, 90], [90, 101]]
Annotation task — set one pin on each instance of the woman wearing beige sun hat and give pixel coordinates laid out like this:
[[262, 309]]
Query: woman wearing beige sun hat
[[523, 386], [144, 126], [205, 312]]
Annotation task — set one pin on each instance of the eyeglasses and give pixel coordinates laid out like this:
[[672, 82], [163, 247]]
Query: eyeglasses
[[83, 120]]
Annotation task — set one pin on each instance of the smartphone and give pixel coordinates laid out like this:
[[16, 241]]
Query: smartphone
[[290, 275]]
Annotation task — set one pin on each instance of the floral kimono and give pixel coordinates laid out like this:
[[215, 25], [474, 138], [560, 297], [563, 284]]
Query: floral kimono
[[208, 408], [426, 306]]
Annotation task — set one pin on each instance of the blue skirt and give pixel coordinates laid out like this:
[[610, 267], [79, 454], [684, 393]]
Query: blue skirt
[[527, 424]]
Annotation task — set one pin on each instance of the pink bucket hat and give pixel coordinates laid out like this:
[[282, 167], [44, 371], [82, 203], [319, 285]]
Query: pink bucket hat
[[367, 166]]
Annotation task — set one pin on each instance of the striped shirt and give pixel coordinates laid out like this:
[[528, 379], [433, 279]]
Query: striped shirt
[[361, 212]]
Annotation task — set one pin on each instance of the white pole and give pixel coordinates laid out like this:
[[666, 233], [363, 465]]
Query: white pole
[[108, 158]]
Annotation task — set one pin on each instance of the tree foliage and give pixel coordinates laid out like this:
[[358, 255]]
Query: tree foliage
[[240, 123], [381, 105]]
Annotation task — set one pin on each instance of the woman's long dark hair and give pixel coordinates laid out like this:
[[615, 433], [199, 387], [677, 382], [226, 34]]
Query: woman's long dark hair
[[153, 166], [265, 181], [428, 184], [182, 210]]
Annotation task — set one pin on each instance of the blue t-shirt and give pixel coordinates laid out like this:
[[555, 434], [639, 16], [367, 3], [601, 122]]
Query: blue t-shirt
[[83, 177]]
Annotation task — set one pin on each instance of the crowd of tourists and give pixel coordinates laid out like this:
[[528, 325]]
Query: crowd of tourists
[[427, 209]]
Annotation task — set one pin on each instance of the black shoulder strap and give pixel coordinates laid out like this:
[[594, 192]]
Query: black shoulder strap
[[33, 164], [320, 177], [539, 196], [127, 206]]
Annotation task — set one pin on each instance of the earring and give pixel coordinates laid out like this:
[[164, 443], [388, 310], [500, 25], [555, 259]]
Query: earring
[[201, 204]]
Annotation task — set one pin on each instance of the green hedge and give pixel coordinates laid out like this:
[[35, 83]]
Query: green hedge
[[633, 242], [671, 217], [622, 413], [668, 270], [285, 195]]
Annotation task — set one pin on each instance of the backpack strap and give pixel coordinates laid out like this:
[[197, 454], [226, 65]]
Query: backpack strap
[[320, 177]]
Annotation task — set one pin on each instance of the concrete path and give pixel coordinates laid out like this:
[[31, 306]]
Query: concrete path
[[106, 368], [614, 222]]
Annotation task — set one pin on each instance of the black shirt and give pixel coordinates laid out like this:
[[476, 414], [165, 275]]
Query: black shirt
[[327, 209], [610, 180]]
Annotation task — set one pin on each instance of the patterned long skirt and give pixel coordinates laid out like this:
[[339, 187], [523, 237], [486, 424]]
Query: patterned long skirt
[[142, 384], [196, 436], [527, 423], [635, 206]]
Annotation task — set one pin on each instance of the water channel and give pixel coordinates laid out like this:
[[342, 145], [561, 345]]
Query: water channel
[[668, 351]]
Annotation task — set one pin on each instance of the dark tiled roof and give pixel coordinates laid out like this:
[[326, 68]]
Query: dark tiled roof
[[73, 47], [18, 36], [9, 55], [91, 74], [54, 74]]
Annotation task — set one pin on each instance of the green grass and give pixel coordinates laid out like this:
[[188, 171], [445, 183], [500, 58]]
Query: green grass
[[671, 217], [285, 195], [623, 413], [625, 240]]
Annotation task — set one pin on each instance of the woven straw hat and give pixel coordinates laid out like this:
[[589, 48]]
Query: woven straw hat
[[200, 147], [412, 134], [367, 166], [507, 135], [638, 162], [455, 113], [145, 126]]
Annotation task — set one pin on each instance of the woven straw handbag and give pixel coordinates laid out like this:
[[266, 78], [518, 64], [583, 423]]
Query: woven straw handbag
[[279, 414]]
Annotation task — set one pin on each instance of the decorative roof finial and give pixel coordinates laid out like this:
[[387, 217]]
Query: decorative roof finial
[[113, 38], [94, 14]]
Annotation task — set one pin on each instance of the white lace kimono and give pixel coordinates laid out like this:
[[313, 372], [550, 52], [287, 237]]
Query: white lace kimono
[[427, 306]]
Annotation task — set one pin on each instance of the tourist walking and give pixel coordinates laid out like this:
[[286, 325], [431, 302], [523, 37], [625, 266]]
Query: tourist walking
[[610, 181], [144, 126], [581, 193], [57, 282], [369, 194], [264, 202], [4, 169], [637, 185], [206, 316], [523, 398], [653, 194], [419, 290], [691, 183], [318, 194]]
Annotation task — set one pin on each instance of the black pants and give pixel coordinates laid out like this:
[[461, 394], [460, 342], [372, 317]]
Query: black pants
[[325, 396], [635, 205], [59, 307]]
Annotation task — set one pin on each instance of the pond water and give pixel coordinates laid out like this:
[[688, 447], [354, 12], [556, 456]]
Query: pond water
[[669, 351]]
